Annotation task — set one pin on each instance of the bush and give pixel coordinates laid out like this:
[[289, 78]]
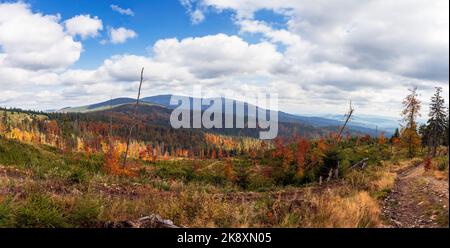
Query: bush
[[40, 211], [86, 212], [6, 213], [77, 176], [242, 177], [260, 183], [331, 160], [442, 163]]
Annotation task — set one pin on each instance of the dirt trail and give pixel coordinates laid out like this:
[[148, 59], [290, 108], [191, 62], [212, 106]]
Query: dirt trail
[[417, 200]]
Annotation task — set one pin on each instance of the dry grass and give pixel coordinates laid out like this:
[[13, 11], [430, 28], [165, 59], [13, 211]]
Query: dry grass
[[336, 207], [384, 181], [439, 168], [358, 210]]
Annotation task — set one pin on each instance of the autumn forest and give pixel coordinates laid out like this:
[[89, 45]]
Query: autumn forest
[[70, 169]]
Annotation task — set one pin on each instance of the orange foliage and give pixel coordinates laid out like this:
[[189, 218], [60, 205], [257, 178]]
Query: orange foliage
[[395, 141], [279, 147], [228, 170], [288, 157], [303, 147], [381, 139], [113, 164]]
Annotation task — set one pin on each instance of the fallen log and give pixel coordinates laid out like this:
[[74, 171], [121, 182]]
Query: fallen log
[[152, 221]]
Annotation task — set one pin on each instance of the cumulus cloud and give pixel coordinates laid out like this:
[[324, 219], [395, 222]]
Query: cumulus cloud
[[121, 35], [205, 60], [84, 25], [195, 11], [34, 49], [369, 52], [358, 47], [122, 11], [218, 55], [174, 66], [33, 40], [380, 35]]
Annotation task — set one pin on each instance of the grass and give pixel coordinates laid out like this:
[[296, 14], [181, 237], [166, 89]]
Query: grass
[[55, 189], [439, 168], [45, 162]]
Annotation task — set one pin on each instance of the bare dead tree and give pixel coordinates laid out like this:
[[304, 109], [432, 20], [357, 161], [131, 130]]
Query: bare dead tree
[[347, 118], [135, 121], [110, 128]]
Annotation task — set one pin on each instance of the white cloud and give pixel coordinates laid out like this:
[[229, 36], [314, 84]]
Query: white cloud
[[33, 40], [194, 11], [316, 60], [84, 25], [336, 50], [197, 16], [120, 35], [122, 11], [380, 35], [218, 55]]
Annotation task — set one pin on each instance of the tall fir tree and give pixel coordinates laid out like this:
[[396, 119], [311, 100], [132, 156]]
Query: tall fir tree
[[446, 135], [437, 121], [395, 135], [424, 132]]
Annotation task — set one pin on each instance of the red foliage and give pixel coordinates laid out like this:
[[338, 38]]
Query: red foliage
[[428, 163], [303, 147]]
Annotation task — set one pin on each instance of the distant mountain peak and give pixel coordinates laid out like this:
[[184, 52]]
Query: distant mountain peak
[[361, 123]]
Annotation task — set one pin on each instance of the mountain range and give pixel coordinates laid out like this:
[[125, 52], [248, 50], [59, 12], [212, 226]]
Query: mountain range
[[369, 124]]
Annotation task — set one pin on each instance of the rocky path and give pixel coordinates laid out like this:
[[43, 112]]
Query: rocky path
[[417, 200]]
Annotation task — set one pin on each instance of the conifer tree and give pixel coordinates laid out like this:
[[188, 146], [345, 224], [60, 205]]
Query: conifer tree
[[437, 121]]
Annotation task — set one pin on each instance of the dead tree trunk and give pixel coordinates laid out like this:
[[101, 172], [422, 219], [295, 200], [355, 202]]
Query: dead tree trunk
[[347, 118], [336, 172], [136, 121]]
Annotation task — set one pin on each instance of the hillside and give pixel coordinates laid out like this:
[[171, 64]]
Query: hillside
[[86, 170], [312, 122], [43, 186]]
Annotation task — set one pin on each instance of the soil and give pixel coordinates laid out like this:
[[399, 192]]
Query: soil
[[417, 200]]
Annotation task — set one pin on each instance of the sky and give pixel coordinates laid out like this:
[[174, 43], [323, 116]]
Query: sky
[[317, 55]]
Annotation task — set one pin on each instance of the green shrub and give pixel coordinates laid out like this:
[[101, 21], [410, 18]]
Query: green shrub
[[86, 212], [40, 211], [77, 176], [442, 163], [6, 213], [260, 183]]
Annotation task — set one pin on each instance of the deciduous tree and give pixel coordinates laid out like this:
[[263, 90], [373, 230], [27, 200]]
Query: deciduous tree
[[409, 136]]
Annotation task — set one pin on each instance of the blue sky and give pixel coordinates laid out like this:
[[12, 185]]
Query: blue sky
[[152, 20], [316, 55]]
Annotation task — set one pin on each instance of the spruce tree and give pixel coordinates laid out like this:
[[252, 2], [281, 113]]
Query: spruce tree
[[446, 134], [437, 121]]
